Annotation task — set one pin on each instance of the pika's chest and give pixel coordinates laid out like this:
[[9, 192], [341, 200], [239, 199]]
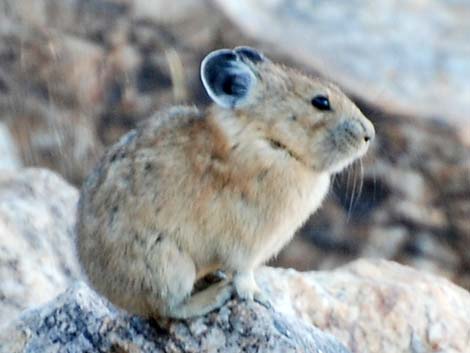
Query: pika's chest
[[290, 198], [266, 224], [297, 205]]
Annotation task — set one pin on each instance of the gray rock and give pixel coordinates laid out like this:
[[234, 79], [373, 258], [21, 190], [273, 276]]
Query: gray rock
[[376, 306], [80, 321], [37, 261], [369, 306]]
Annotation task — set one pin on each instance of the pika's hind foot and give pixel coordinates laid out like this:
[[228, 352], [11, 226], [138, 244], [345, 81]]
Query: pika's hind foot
[[203, 302]]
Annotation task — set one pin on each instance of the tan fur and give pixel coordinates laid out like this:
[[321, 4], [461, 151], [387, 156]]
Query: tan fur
[[191, 191]]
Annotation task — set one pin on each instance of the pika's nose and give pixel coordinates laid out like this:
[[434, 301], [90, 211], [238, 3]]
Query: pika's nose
[[369, 130], [359, 129]]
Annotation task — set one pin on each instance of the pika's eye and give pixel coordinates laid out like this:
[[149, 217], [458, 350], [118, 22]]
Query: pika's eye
[[321, 103]]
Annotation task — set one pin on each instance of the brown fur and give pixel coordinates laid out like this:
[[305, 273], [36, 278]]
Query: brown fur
[[191, 191]]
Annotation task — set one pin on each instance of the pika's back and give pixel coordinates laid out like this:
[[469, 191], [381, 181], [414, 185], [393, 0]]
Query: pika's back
[[160, 130], [131, 168]]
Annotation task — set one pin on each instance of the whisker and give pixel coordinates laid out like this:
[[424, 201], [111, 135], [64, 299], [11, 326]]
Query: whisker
[[333, 181], [374, 180], [361, 179], [348, 197], [352, 199]]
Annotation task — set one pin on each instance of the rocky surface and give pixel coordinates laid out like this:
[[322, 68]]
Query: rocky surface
[[370, 306], [376, 306], [80, 321], [406, 56], [37, 261], [75, 75]]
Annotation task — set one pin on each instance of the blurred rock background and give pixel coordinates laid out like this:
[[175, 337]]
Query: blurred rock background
[[76, 74]]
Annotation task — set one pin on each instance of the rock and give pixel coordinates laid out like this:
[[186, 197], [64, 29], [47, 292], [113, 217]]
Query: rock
[[376, 306], [37, 261], [80, 321], [9, 157], [389, 53], [370, 306]]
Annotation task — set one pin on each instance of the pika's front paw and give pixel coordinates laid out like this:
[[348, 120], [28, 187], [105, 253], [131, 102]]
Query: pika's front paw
[[254, 294], [262, 299], [247, 289], [245, 285]]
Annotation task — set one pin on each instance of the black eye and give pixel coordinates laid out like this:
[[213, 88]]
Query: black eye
[[321, 103]]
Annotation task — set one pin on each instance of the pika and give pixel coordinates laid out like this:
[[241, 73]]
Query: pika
[[191, 191]]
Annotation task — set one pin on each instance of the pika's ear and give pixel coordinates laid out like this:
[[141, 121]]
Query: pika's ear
[[228, 80], [250, 54]]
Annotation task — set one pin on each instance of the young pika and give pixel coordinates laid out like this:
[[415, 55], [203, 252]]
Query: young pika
[[190, 192]]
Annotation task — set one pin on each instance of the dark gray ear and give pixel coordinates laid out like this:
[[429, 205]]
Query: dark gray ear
[[250, 54], [227, 79]]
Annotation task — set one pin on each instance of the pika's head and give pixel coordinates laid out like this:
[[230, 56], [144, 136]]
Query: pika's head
[[309, 118]]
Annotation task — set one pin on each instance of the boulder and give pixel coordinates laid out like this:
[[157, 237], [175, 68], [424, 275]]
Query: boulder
[[80, 321], [37, 260], [369, 306], [376, 306]]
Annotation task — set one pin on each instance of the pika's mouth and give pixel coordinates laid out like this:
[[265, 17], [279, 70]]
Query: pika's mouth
[[348, 141], [344, 160]]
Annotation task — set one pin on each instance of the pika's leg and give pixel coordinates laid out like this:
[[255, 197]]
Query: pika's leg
[[174, 278], [246, 288]]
